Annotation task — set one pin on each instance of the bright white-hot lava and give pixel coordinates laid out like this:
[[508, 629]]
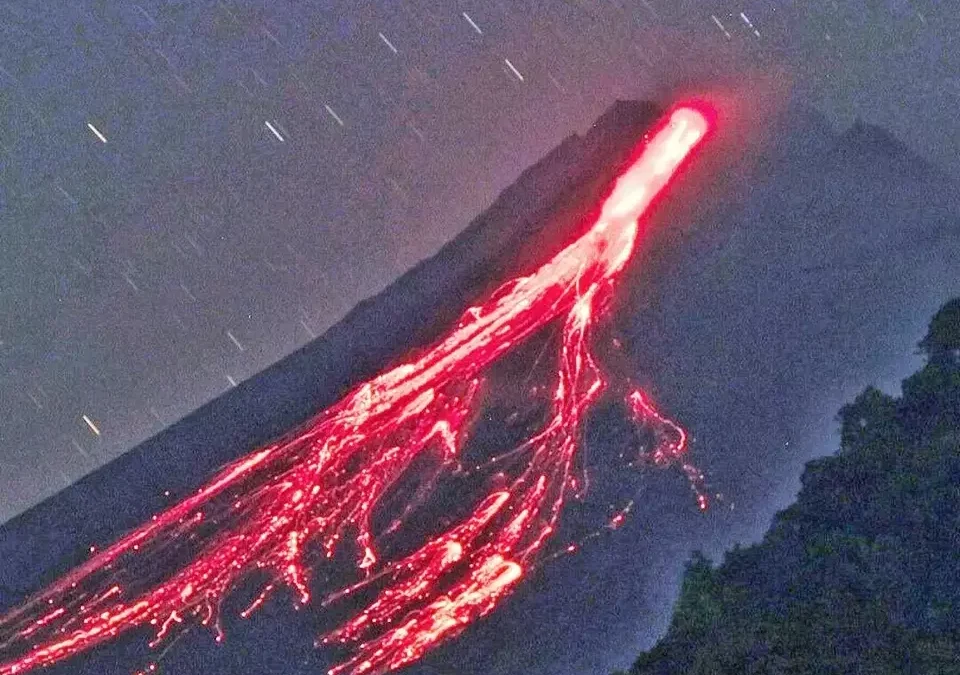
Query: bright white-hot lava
[[285, 508]]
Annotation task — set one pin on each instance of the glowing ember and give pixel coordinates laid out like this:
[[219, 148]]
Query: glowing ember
[[282, 509]]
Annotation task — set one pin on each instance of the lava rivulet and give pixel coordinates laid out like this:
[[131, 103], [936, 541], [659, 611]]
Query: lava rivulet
[[282, 510]]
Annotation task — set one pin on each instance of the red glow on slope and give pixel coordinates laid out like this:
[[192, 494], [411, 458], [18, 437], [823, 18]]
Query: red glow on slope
[[284, 508]]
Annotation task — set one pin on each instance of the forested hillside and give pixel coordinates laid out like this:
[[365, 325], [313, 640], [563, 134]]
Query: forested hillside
[[862, 573]]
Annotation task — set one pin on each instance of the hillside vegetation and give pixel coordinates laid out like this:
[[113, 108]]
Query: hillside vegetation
[[862, 573]]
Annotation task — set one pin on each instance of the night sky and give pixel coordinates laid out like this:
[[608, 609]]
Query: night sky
[[190, 191]]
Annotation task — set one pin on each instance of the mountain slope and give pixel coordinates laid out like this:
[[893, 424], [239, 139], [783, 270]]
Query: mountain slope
[[529, 221]]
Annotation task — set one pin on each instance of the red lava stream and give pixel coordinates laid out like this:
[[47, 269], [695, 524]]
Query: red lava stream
[[285, 507]]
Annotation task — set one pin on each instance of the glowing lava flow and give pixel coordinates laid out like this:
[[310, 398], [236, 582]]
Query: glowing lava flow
[[282, 509]]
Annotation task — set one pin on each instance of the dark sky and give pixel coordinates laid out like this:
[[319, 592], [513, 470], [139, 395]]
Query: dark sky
[[190, 191]]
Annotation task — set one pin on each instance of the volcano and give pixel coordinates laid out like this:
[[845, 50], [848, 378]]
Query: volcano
[[798, 276]]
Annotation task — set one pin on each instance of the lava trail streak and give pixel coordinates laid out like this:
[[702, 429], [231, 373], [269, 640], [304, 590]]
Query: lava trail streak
[[281, 511]]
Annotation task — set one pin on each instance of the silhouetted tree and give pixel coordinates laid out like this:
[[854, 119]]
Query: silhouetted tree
[[942, 342]]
